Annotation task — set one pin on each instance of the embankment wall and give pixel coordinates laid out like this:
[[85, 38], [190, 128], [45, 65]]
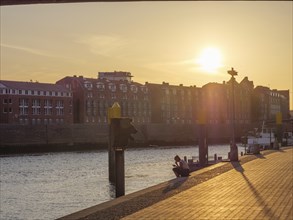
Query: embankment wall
[[42, 138]]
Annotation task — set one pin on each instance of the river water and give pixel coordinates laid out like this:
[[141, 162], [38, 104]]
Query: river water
[[48, 186]]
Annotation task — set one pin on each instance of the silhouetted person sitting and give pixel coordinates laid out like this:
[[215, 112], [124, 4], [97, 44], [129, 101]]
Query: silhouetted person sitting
[[181, 168]]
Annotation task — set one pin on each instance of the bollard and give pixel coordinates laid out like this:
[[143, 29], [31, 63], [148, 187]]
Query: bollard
[[203, 145], [120, 173], [113, 112], [190, 161]]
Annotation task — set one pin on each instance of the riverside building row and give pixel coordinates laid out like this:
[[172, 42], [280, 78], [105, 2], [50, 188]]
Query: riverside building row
[[78, 99]]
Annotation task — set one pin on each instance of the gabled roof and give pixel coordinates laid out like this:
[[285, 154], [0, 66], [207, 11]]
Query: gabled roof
[[17, 85]]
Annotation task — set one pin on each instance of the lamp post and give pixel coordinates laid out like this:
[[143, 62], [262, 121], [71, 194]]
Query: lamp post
[[233, 146]]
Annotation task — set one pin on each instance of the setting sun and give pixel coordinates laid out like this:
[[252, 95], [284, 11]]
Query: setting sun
[[210, 60]]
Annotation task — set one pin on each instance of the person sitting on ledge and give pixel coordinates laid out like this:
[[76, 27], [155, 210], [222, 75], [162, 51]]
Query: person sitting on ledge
[[181, 168]]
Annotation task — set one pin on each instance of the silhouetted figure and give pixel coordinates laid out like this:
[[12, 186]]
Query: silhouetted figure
[[181, 168]]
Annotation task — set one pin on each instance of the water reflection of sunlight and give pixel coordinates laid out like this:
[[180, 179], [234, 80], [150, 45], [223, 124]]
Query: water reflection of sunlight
[[83, 175]]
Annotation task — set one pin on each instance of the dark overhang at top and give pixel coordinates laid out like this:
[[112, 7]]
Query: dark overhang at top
[[26, 2]]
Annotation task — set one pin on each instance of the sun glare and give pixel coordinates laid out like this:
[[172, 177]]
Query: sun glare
[[210, 60]]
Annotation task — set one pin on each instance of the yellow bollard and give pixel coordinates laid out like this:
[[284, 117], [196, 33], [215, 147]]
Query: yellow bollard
[[114, 112]]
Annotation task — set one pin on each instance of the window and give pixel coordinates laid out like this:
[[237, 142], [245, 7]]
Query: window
[[113, 96], [59, 107], [101, 96], [36, 102], [133, 88], [123, 87], [23, 106], [88, 85], [48, 111], [36, 106], [90, 95], [48, 103], [48, 107], [23, 110], [100, 86], [60, 111], [144, 89], [112, 87]]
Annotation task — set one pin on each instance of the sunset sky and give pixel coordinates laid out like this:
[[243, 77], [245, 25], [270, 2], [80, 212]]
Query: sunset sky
[[190, 43]]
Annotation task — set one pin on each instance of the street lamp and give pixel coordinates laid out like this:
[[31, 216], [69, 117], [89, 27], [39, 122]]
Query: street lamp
[[233, 146]]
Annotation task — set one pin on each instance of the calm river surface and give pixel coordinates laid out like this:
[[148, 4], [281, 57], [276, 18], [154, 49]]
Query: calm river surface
[[48, 186]]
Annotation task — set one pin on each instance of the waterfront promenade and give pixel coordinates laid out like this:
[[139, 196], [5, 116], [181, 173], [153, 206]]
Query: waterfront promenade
[[257, 187]]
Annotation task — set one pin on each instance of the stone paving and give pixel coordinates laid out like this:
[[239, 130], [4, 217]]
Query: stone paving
[[260, 189]]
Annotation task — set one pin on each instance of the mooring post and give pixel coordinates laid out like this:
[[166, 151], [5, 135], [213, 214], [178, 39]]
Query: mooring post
[[113, 112], [111, 153], [202, 146], [202, 138], [120, 172], [279, 130], [120, 132]]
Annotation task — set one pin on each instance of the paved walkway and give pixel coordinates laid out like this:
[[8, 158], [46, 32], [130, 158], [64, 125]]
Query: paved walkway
[[260, 189]]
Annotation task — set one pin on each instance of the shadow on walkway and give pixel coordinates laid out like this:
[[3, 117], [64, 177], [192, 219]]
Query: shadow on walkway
[[237, 166], [174, 184], [260, 156]]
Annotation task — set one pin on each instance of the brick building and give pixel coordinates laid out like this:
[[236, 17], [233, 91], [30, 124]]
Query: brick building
[[34, 103], [171, 104], [243, 92], [78, 99], [215, 103], [216, 98], [267, 103], [93, 97]]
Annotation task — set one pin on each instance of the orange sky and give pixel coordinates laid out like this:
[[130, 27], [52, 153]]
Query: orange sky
[[155, 41]]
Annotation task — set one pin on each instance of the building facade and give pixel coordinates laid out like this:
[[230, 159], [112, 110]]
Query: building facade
[[78, 99], [215, 103], [267, 103], [171, 104], [93, 97], [34, 103]]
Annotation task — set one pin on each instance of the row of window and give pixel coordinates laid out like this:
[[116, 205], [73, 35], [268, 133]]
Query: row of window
[[36, 102], [114, 96], [35, 93], [39, 121], [124, 105], [104, 120], [113, 87], [129, 113], [175, 92], [36, 111]]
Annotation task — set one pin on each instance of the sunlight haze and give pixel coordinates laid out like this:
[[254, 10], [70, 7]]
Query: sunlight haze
[[155, 41]]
